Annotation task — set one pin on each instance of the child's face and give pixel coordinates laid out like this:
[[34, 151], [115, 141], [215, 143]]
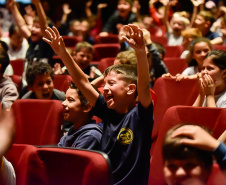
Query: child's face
[[115, 91], [124, 8], [185, 172], [214, 71], [200, 22], [83, 58], [43, 86], [200, 51], [72, 106], [148, 22], [16, 39], [177, 25], [36, 34]]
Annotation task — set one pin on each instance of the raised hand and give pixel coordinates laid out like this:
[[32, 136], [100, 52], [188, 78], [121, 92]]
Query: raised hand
[[102, 5], [10, 4], [55, 40], [134, 37], [197, 137], [66, 8], [196, 3]]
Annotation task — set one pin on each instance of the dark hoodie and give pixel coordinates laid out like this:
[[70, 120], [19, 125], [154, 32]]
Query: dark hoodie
[[88, 137]]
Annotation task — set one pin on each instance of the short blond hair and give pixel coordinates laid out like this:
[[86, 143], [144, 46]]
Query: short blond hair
[[191, 33]]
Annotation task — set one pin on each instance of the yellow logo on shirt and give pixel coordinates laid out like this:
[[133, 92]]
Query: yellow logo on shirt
[[125, 136]]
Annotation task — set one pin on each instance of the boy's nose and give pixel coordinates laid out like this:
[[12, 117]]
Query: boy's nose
[[180, 172], [45, 86]]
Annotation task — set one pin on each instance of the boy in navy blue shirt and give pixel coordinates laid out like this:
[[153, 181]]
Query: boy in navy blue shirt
[[127, 127]]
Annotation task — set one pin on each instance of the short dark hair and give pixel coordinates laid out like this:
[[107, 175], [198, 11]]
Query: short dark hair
[[129, 72], [82, 98], [4, 59], [38, 68], [172, 149]]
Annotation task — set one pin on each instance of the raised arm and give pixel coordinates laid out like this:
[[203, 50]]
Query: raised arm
[[196, 4], [165, 18], [79, 77], [19, 20], [41, 16], [136, 41]]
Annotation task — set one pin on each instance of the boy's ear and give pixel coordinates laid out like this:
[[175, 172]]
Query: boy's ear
[[131, 89], [87, 108]]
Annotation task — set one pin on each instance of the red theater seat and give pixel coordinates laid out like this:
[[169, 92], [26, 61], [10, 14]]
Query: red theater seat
[[38, 122], [111, 38], [18, 66], [159, 39], [61, 82], [57, 166], [173, 51], [211, 118], [105, 50], [170, 93], [70, 41], [18, 81], [105, 63], [175, 65]]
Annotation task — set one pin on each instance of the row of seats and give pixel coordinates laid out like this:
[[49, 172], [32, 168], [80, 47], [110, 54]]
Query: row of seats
[[212, 118], [56, 166], [47, 132]]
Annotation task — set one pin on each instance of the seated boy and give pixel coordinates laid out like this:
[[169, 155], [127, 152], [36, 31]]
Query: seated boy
[[184, 164], [127, 127], [8, 90], [83, 55], [84, 133], [40, 78]]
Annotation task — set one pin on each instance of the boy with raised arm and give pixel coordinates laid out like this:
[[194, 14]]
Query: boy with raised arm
[[127, 127]]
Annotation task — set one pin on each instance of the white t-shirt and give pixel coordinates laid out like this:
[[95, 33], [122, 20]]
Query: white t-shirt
[[173, 40], [192, 70], [8, 172], [16, 54], [220, 100]]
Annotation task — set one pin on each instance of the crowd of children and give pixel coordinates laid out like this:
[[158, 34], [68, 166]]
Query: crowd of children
[[125, 104]]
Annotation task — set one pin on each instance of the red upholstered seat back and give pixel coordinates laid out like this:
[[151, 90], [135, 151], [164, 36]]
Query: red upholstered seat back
[[61, 82], [111, 38], [18, 66], [38, 122], [175, 65], [211, 118], [105, 50], [173, 51], [48, 166], [105, 63], [170, 93]]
